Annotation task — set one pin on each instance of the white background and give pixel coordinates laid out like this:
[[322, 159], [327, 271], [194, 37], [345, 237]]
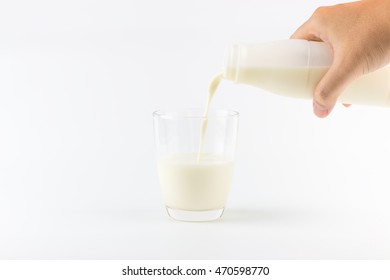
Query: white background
[[79, 81]]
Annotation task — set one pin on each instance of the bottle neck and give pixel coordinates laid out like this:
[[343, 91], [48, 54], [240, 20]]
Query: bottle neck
[[231, 63]]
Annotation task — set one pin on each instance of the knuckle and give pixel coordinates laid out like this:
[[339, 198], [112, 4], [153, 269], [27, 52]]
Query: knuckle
[[321, 11], [323, 97], [321, 14]]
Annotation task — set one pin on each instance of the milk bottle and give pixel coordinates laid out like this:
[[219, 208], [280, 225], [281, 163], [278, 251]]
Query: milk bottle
[[294, 67]]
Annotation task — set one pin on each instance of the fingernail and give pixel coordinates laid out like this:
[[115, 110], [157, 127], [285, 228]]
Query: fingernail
[[320, 111]]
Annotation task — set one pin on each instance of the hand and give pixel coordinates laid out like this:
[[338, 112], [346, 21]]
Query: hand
[[358, 34]]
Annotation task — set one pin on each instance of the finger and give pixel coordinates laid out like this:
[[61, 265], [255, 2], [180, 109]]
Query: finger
[[346, 105], [331, 86]]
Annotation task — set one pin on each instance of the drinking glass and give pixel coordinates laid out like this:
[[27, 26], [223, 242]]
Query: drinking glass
[[195, 170]]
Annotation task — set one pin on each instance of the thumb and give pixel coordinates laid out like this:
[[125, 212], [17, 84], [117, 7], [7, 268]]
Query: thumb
[[332, 84]]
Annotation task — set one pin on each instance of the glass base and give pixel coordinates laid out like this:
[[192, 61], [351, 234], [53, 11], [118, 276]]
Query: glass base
[[195, 216]]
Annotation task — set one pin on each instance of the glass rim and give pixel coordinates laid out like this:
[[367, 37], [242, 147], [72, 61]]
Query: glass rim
[[195, 113]]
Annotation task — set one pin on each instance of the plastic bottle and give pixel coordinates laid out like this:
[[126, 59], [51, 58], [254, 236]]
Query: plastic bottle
[[294, 67]]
